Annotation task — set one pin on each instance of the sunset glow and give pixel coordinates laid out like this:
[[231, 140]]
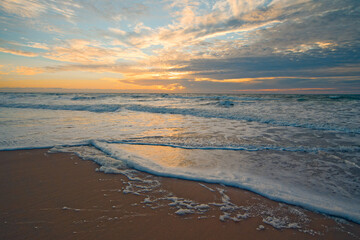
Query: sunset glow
[[229, 46]]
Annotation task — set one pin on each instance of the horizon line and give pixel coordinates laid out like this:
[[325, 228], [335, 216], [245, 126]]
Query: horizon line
[[239, 91]]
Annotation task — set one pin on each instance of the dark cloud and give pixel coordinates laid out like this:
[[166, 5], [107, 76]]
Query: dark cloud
[[315, 47]]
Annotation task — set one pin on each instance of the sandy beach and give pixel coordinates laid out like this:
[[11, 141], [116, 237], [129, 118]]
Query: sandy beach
[[59, 196]]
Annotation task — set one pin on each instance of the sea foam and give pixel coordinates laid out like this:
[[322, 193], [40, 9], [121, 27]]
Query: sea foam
[[323, 201]]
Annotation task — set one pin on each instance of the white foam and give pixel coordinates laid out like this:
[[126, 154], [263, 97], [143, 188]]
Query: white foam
[[260, 227], [280, 223], [208, 188], [237, 218], [147, 200], [268, 187], [202, 207], [183, 211]]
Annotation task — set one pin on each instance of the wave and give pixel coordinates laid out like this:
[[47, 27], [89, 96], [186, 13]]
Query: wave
[[218, 97], [226, 103], [345, 97], [91, 97], [265, 97], [249, 148], [115, 155], [99, 108], [231, 116], [103, 108], [278, 191]]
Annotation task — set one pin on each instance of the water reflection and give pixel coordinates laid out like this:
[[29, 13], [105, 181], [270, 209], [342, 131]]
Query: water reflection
[[164, 125], [163, 156]]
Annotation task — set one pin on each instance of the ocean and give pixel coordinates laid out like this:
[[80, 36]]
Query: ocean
[[297, 149]]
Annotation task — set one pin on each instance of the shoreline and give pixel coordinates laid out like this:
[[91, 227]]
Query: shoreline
[[60, 196]]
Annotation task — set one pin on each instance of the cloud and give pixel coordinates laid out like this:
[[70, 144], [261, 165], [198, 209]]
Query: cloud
[[241, 80], [117, 31], [171, 87], [329, 22], [115, 11], [307, 47], [38, 45], [91, 52], [193, 25], [140, 27], [128, 85], [240, 7], [23, 70], [18, 52], [28, 44], [64, 8], [2, 72], [285, 90], [290, 45], [23, 8], [35, 8], [259, 28]]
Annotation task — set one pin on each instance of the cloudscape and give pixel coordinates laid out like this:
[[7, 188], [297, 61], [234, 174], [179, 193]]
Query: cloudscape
[[230, 46]]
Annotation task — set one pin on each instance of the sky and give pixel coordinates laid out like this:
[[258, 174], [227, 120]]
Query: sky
[[225, 46]]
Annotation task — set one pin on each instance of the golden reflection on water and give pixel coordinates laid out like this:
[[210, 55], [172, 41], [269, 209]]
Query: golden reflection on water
[[159, 126], [164, 156], [164, 125]]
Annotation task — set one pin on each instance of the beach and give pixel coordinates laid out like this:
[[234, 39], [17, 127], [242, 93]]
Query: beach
[[225, 119], [59, 196]]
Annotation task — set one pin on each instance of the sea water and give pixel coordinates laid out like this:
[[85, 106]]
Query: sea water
[[298, 149]]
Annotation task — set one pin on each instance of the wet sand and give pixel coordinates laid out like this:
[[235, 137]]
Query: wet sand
[[59, 196]]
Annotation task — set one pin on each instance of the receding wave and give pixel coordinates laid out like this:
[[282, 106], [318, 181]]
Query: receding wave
[[290, 193], [117, 154], [246, 148], [249, 148]]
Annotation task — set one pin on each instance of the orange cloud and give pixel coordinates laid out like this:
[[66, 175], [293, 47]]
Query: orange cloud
[[154, 75], [1, 72], [23, 8], [126, 85], [171, 87], [239, 80], [28, 70], [18, 52], [91, 52], [33, 9], [38, 45]]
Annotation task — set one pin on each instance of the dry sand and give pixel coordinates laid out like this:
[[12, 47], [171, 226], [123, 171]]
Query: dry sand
[[59, 196]]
